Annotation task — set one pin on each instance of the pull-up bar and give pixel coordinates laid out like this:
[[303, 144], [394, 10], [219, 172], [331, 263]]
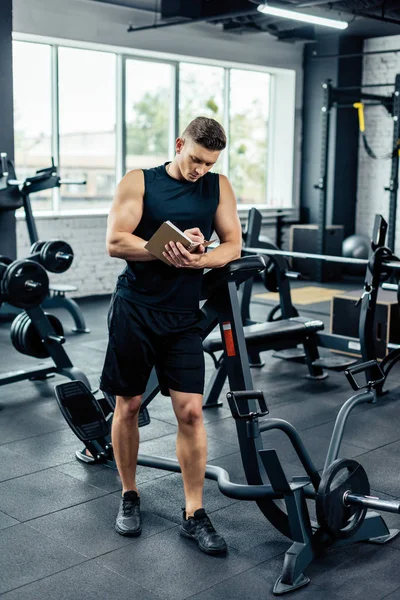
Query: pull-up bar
[[315, 54]]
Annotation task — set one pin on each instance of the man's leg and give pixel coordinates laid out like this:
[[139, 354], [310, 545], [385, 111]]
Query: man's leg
[[191, 446], [191, 450], [125, 439]]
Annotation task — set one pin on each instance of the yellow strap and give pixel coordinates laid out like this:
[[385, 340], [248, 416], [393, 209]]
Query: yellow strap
[[360, 107]]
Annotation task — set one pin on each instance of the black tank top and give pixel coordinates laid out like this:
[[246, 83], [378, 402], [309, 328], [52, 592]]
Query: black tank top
[[186, 204]]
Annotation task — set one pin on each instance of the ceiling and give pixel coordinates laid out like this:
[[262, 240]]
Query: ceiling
[[367, 18]]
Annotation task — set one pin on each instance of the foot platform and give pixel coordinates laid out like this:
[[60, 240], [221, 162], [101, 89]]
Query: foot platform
[[334, 363], [84, 415]]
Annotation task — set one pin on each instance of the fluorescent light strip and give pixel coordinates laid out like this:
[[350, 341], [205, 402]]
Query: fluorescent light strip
[[296, 16]]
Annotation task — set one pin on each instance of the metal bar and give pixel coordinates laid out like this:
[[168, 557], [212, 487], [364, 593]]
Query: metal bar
[[372, 502], [394, 173], [55, 123], [392, 287], [14, 376], [342, 343], [364, 85], [352, 105], [356, 55], [363, 95], [227, 126], [29, 218], [323, 179], [175, 131], [120, 129], [188, 21], [392, 265], [341, 420], [326, 258], [297, 444], [232, 490]]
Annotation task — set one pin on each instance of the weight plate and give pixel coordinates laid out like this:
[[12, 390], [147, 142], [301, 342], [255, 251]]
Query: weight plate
[[21, 327], [14, 330], [270, 278], [22, 333], [36, 246], [32, 341], [51, 259], [4, 262], [15, 284], [334, 517]]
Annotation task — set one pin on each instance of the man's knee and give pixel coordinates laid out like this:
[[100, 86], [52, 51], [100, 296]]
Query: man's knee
[[190, 415], [127, 407]]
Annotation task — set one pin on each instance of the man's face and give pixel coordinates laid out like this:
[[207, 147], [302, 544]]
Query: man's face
[[194, 160]]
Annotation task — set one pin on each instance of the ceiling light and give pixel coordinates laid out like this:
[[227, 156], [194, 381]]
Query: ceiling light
[[266, 9]]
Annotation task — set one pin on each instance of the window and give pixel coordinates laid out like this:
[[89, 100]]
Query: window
[[87, 82], [32, 114], [248, 130], [96, 139], [201, 93], [148, 111]]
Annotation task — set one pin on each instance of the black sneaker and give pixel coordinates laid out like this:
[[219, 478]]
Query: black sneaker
[[128, 520], [200, 528]]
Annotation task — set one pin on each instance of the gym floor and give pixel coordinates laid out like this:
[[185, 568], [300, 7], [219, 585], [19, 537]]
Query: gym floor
[[57, 538]]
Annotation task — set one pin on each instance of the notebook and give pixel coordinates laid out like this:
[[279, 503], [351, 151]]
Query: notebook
[[168, 232]]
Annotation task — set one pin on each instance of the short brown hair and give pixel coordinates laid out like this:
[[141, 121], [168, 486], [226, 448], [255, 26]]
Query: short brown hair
[[206, 132]]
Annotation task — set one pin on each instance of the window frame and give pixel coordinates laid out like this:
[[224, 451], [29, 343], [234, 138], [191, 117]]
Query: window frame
[[122, 54]]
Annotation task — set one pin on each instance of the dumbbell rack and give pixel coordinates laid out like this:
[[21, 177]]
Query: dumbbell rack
[[53, 344], [44, 179]]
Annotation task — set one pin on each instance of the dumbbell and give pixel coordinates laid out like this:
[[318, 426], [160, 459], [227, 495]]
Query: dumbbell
[[55, 256], [26, 339], [23, 283]]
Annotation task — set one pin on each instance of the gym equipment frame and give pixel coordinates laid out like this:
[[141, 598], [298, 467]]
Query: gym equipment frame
[[341, 508], [341, 98]]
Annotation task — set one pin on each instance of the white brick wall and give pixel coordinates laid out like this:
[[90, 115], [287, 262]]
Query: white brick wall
[[374, 175], [92, 271]]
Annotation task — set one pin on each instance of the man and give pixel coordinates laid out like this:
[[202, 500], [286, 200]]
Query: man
[[154, 317]]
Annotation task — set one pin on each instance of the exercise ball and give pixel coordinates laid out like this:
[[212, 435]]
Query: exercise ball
[[355, 246]]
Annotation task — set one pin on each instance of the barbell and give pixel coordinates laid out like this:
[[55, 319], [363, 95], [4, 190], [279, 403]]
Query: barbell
[[343, 499], [23, 283], [326, 258], [55, 256]]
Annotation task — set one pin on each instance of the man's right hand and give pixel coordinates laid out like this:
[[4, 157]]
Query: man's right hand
[[196, 236]]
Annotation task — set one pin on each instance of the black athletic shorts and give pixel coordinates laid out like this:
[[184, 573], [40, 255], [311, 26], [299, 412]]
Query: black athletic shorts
[[141, 338]]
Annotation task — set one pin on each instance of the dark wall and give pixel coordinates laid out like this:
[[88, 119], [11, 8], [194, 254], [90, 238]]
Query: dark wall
[[8, 245], [344, 136]]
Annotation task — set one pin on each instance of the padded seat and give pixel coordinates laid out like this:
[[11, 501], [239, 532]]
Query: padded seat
[[266, 335]]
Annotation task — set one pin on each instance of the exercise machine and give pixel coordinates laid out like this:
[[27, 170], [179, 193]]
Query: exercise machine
[[381, 265], [341, 494]]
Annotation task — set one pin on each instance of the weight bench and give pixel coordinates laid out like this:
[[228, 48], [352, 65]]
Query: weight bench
[[276, 335]]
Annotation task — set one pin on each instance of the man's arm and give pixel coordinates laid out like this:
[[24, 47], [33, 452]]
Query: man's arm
[[125, 214], [228, 228]]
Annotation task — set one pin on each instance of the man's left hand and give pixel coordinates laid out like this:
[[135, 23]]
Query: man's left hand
[[179, 257]]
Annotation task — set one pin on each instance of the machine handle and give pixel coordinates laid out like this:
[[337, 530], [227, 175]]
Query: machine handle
[[376, 374]]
